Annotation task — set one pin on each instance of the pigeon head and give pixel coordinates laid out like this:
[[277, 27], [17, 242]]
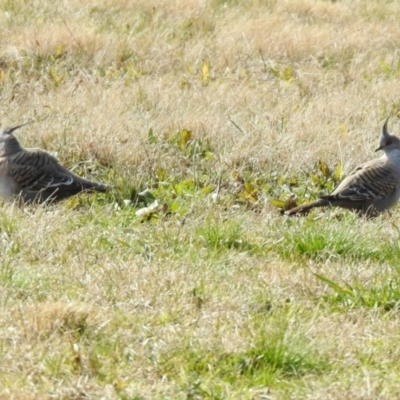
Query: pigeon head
[[388, 142], [8, 142]]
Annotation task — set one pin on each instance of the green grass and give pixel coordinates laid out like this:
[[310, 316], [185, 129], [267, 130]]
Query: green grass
[[186, 280], [382, 295], [276, 354]]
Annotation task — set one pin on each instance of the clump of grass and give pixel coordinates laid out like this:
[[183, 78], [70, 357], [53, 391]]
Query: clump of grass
[[384, 294], [61, 318], [226, 235], [275, 353], [313, 239]]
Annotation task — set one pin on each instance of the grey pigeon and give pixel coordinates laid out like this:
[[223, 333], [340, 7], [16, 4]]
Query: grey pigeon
[[371, 188], [36, 176]]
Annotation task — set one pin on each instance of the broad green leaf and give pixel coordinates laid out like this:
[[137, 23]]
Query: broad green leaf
[[249, 196], [174, 207], [185, 186], [185, 136], [249, 187], [207, 189], [278, 202], [324, 169], [208, 155]]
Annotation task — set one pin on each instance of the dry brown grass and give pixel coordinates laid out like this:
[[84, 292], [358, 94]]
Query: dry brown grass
[[219, 298]]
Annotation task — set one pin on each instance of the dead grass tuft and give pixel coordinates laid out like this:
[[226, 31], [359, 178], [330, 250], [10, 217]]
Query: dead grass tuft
[[61, 318]]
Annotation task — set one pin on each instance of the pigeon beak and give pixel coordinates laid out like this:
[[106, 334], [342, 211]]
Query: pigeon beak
[[379, 148]]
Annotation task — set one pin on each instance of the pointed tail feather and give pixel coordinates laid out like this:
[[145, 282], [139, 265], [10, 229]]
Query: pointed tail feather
[[91, 186], [305, 208]]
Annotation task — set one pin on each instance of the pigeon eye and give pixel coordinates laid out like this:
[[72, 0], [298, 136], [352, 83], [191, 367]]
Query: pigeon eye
[[389, 142]]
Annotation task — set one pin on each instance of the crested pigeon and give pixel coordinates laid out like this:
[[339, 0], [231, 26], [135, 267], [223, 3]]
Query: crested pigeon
[[35, 175], [371, 188]]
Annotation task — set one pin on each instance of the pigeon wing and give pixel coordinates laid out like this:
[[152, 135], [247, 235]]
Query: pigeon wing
[[37, 170], [370, 181]]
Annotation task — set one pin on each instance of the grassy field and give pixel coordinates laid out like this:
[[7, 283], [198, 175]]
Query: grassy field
[[186, 281]]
